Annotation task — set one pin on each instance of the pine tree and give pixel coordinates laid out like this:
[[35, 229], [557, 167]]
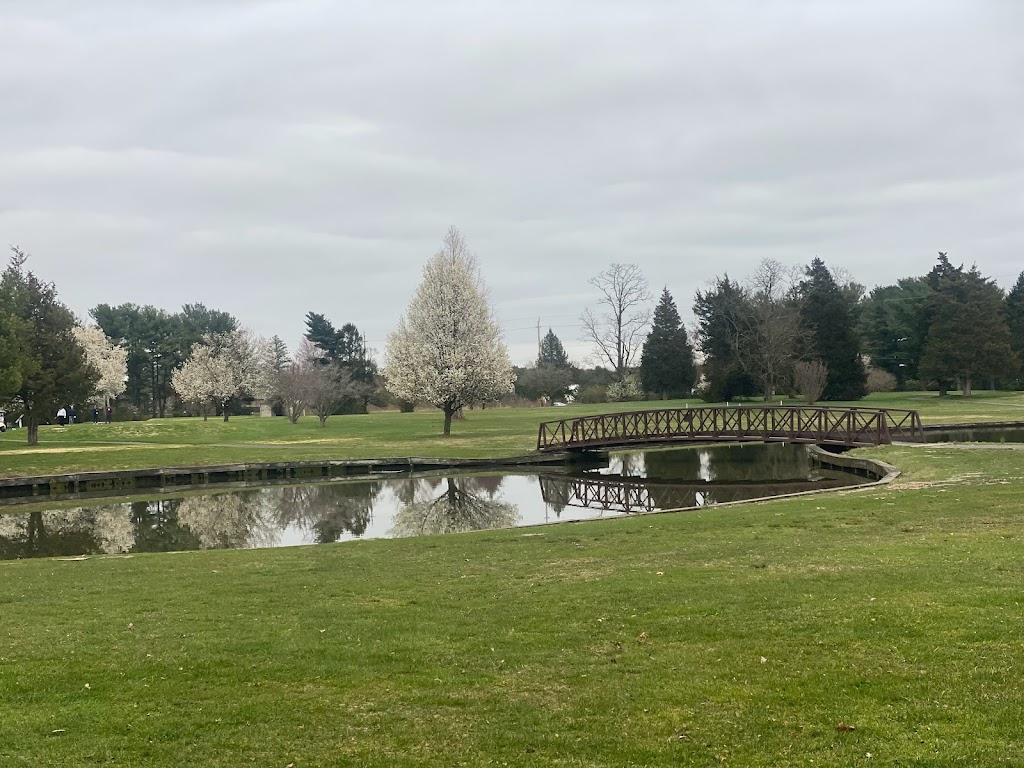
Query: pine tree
[[53, 370], [552, 353], [826, 313], [666, 364], [894, 325], [969, 336], [279, 353], [322, 333], [715, 308], [1014, 305]]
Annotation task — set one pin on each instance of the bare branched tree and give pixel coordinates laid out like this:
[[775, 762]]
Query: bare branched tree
[[328, 387], [767, 332], [293, 389], [810, 379], [616, 325], [310, 382]]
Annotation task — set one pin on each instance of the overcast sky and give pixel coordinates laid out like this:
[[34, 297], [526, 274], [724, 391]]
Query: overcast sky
[[271, 158]]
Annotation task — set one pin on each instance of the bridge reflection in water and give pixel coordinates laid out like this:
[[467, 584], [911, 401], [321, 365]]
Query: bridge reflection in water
[[630, 495]]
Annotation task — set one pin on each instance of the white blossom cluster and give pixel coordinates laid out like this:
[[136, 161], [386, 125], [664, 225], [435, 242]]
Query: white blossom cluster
[[109, 359], [447, 350], [225, 365]]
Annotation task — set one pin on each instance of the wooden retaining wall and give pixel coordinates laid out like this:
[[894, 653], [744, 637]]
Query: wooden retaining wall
[[96, 484]]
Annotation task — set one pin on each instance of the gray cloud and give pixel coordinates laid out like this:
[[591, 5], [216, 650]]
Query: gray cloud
[[276, 157]]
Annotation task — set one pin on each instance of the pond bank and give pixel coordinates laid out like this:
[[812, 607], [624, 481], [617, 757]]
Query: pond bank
[[80, 485]]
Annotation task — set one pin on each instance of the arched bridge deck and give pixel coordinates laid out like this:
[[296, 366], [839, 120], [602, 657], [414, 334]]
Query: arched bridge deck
[[849, 427]]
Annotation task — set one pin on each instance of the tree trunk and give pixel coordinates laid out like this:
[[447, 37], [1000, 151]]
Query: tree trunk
[[323, 421], [448, 411], [967, 386], [33, 431], [225, 408]]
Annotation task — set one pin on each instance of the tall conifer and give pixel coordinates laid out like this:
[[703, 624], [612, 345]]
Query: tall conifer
[[666, 365]]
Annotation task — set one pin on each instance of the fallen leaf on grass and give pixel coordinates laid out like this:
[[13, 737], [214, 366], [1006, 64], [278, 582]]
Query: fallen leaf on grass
[[845, 728]]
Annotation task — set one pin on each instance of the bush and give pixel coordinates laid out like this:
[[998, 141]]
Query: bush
[[127, 412], [630, 388], [594, 393], [881, 381]]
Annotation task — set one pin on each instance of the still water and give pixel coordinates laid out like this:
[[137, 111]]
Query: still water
[[977, 434], [276, 516]]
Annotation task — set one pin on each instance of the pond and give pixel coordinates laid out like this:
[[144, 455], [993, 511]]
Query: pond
[[996, 433], [339, 510]]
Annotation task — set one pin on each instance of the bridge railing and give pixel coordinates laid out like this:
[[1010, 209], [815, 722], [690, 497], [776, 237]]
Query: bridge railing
[[802, 424]]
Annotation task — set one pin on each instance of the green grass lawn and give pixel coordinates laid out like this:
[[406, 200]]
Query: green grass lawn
[[500, 432], [745, 636]]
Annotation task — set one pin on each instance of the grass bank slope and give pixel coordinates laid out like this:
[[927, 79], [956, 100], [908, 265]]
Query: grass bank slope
[[879, 627], [488, 434]]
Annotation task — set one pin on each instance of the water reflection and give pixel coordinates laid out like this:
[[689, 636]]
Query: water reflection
[[412, 506], [464, 504], [981, 433]]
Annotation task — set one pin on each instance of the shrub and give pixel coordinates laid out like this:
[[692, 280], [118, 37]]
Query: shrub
[[593, 393], [626, 390], [881, 381]]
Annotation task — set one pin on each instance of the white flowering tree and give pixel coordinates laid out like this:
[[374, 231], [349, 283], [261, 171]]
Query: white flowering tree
[[203, 379], [223, 366], [110, 361], [447, 349]]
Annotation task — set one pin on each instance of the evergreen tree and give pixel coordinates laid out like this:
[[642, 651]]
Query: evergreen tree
[[345, 348], [666, 364], [1014, 305], [724, 376], [826, 314], [894, 325], [322, 333], [158, 342], [552, 353], [279, 354], [969, 336], [52, 364]]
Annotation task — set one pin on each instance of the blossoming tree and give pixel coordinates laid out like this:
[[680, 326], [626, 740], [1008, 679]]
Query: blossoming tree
[[447, 349]]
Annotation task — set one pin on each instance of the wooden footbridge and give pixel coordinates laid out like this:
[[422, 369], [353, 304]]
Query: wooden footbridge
[[849, 427]]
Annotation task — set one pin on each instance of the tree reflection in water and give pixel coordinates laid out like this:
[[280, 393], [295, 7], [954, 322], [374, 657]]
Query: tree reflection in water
[[466, 504], [64, 532], [229, 520], [328, 510]]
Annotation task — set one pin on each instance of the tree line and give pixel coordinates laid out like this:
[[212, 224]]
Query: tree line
[[781, 330], [790, 330]]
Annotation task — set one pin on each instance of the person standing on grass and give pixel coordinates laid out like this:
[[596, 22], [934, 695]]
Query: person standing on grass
[[71, 415], [95, 415], [110, 414], [62, 416]]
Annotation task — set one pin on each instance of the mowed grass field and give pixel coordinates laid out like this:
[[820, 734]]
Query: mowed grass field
[[871, 627], [880, 627], [492, 433]]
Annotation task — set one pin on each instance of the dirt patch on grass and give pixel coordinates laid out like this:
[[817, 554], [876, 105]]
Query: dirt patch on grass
[[89, 449]]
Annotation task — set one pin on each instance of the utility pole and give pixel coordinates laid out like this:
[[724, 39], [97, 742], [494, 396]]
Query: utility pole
[[538, 339]]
